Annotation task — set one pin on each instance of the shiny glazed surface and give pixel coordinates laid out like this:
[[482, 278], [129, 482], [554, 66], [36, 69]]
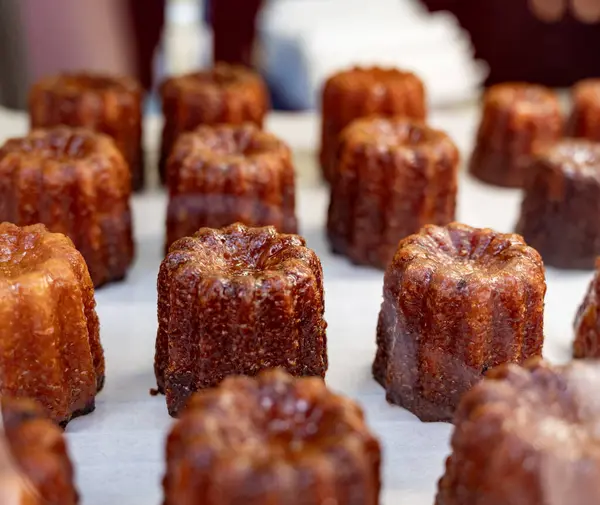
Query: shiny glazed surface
[[50, 347], [75, 182], [527, 436], [456, 301], [392, 176], [227, 174], [272, 439], [236, 301], [103, 103]]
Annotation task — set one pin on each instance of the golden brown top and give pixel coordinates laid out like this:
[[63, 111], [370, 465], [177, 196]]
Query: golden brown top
[[270, 419], [523, 99], [397, 133], [228, 143], [239, 251], [222, 76], [61, 143], [372, 77], [30, 250], [463, 250], [72, 84]]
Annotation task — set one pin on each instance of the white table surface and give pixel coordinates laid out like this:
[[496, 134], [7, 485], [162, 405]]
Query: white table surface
[[118, 449]]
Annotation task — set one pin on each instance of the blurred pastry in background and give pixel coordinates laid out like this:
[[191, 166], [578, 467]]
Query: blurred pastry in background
[[100, 102], [76, 182], [225, 94], [515, 117], [226, 174], [587, 321], [361, 92], [391, 177], [560, 213], [585, 115]]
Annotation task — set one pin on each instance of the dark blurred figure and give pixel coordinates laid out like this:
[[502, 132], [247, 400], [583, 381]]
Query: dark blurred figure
[[233, 23], [553, 42]]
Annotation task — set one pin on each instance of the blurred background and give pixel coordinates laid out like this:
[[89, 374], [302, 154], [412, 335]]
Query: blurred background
[[456, 46]]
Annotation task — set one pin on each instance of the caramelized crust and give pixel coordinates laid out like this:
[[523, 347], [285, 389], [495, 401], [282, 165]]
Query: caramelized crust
[[76, 183], [106, 104], [227, 174], [587, 321], [515, 117], [392, 177], [362, 92], [236, 301], [225, 94], [35, 468], [273, 439], [585, 116], [560, 213], [49, 338], [527, 435], [456, 301]]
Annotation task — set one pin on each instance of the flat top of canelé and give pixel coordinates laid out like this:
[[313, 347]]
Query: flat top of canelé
[[238, 251], [221, 76], [83, 82], [460, 250], [522, 98], [225, 143], [372, 76], [61, 143], [554, 409], [396, 133], [579, 157], [274, 418], [30, 249], [587, 90]]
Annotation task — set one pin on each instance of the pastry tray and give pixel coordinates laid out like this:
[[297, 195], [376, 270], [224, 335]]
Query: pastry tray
[[119, 449]]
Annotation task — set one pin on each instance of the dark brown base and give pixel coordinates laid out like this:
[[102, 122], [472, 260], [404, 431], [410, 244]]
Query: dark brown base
[[89, 407], [498, 168]]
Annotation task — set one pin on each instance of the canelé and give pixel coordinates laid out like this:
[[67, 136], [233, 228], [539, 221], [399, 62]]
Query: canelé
[[527, 435], [236, 301], [587, 321], [221, 175], [35, 468], [516, 117], [560, 213], [225, 94], [457, 301], [392, 176], [103, 103], [272, 439], [361, 92], [584, 121], [50, 347], [75, 182]]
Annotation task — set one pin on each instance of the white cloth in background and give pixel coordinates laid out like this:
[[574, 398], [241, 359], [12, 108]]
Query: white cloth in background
[[304, 41]]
